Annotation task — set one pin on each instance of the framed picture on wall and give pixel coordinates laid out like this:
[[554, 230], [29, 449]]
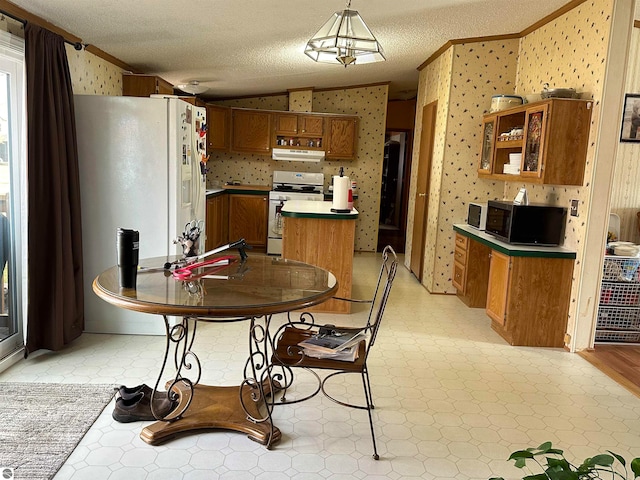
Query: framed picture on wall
[[630, 131]]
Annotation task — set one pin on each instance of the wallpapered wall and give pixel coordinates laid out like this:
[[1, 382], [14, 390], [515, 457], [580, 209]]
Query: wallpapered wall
[[368, 103], [571, 51], [463, 80], [625, 195], [568, 52], [90, 74]]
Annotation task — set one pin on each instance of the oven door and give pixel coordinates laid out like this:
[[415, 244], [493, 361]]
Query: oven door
[[275, 224]]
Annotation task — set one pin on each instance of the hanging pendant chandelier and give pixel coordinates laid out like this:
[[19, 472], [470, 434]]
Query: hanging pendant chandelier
[[345, 39]]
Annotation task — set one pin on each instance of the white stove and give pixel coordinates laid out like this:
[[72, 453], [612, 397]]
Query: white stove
[[289, 186]]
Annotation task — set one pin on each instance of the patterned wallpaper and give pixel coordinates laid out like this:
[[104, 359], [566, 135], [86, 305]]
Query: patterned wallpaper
[[90, 74], [368, 103], [463, 80], [568, 52], [625, 194], [301, 101]]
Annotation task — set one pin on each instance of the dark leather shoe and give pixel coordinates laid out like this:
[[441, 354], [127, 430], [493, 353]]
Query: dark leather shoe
[[138, 407], [129, 392]]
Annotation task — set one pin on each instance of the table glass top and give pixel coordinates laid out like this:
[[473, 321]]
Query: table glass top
[[256, 286]]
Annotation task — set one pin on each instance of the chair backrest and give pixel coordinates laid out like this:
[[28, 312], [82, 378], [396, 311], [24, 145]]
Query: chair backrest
[[381, 293]]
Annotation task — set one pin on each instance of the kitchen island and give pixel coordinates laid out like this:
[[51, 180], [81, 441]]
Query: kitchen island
[[314, 234]]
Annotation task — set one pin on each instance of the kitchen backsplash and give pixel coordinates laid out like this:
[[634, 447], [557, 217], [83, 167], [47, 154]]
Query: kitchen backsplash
[[368, 103]]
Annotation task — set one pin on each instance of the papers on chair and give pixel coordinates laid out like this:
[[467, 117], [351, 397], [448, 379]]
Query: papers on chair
[[337, 345]]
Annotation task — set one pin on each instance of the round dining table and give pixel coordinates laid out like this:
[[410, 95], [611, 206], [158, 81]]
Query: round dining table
[[232, 288]]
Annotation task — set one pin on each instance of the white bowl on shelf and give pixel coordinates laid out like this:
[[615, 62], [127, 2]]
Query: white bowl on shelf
[[626, 250]]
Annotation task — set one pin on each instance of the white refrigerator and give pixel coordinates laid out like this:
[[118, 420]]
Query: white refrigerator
[[139, 165]]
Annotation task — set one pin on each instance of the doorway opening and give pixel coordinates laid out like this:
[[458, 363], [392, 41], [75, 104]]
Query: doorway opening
[[13, 228], [394, 190]]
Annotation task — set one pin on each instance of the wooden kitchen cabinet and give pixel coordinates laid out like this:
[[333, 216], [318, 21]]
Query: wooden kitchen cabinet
[[145, 85], [250, 131], [219, 122], [553, 144], [528, 299], [248, 214], [489, 124], [217, 223], [341, 139], [527, 289], [498, 287], [298, 130], [471, 271]]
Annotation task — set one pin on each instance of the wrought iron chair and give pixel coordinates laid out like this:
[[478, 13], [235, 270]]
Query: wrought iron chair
[[288, 354]]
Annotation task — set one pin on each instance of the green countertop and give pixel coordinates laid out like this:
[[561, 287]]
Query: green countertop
[[513, 250]]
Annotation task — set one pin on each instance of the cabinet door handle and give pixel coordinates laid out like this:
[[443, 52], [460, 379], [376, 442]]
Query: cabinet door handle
[[422, 194]]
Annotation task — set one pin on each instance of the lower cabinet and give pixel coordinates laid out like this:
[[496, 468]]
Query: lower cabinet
[[525, 295], [248, 215], [528, 299], [471, 271], [498, 287], [217, 224]]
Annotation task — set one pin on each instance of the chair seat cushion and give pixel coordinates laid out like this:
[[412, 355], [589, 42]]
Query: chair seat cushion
[[288, 352]]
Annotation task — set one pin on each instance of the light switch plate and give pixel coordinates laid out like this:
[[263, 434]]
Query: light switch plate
[[574, 208]]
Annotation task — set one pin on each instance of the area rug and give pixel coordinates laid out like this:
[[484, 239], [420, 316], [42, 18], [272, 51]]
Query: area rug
[[41, 424]]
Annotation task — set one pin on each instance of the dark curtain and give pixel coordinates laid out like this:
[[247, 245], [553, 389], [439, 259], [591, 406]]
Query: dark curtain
[[55, 314]]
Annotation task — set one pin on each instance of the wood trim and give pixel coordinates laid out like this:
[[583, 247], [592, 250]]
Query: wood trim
[[460, 41], [276, 94], [30, 17], [349, 87], [549, 18], [111, 59], [636, 23], [301, 89], [552, 16]]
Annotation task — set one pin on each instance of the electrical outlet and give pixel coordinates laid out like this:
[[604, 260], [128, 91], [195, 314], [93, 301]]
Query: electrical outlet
[[574, 208]]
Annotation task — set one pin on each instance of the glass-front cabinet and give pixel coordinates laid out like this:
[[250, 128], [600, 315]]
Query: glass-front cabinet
[[543, 142], [488, 141], [536, 119]]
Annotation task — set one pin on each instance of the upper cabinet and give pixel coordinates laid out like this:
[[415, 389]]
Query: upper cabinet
[[219, 123], [547, 141], [258, 131], [298, 130], [250, 131], [145, 85], [341, 139]]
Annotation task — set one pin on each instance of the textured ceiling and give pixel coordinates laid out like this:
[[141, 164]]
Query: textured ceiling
[[245, 47]]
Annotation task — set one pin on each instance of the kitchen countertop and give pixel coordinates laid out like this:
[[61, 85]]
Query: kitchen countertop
[[513, 250], [248, 189], [314, 209]]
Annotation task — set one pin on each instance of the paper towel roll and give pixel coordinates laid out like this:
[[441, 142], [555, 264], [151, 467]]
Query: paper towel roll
[[341, 187]]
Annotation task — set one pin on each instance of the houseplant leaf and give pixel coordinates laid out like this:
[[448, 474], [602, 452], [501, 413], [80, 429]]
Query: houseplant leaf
[[635, 467], [619, 458]]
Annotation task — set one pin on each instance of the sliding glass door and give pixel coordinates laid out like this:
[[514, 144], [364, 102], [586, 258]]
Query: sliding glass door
[[13, 234]]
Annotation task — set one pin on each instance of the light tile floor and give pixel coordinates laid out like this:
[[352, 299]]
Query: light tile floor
[[452, 401]]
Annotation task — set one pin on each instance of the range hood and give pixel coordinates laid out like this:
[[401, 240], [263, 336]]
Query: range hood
[[297, 155]]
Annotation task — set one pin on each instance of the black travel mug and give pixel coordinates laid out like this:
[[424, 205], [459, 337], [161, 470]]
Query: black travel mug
[[127, 250]]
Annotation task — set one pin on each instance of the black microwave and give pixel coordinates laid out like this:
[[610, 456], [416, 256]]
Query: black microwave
[[533, 224]]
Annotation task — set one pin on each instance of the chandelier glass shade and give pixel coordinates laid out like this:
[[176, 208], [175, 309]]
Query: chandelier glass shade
[[345, 39]]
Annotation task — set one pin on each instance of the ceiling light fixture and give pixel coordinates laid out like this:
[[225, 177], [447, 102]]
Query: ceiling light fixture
[[193, 87], [345, 39]]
